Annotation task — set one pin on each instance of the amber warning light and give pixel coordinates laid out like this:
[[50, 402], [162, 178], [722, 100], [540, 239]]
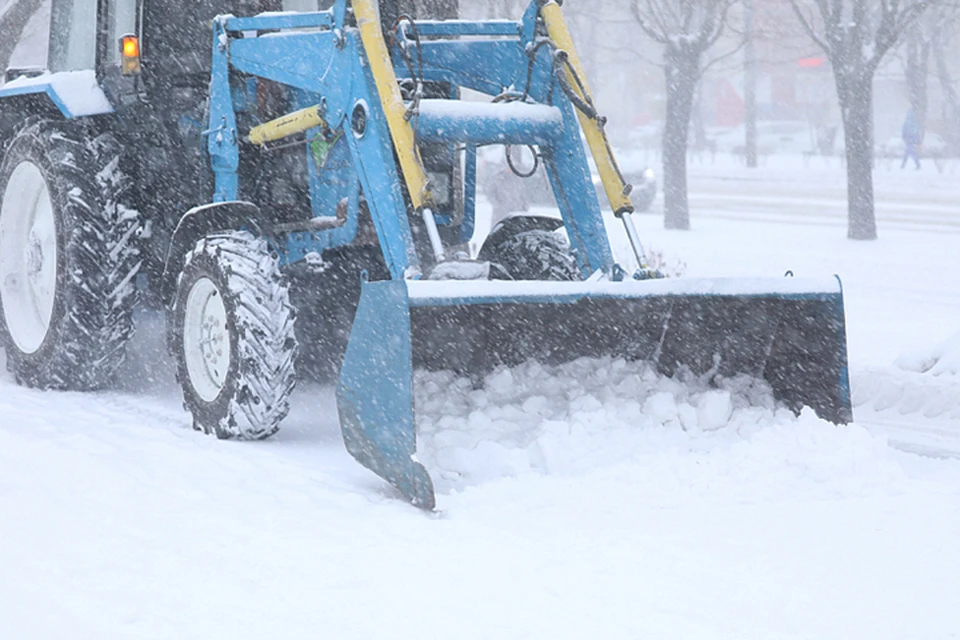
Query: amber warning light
[[130, 55]]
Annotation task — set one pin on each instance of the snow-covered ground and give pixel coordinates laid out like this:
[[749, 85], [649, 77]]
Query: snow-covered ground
[[594, 500]]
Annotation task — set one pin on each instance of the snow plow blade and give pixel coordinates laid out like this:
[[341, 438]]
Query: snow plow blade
[[789, 332]]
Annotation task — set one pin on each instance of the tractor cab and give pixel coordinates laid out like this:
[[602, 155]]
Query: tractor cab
[[141, 47], [167, 41]]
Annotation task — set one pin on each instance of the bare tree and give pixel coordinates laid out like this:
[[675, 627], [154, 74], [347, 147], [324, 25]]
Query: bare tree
[[12, 23], [686, 29], [750, 83], [916, 66], [947, 21], [855, 35], [926, 37]]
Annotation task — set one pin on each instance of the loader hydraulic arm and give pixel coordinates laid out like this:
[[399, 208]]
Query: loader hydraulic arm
[[381, 65], [618, 191]]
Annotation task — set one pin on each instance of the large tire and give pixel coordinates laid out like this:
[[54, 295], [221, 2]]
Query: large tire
[[233, 337], [533, 254], [69, 256]]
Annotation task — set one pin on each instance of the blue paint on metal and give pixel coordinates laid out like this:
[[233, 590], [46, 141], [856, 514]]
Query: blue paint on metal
[[469, 194], [460, 28], [339, 11], [375, 392], [528, 29], [569, 175], [542, 82], [840, 322], [344, 83], [372, 153], [486, 128], [293, 58], [48, 89], [311, 61], [278, 22], [486, 66], [222, 137]]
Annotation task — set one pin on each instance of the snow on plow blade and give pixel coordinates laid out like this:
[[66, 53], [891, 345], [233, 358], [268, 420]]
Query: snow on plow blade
[[789, 332]]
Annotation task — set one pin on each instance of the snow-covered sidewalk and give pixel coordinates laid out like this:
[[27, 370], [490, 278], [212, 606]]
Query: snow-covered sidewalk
[[120, 522]]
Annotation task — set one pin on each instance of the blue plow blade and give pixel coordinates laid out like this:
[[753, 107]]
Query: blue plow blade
[[789, 332]]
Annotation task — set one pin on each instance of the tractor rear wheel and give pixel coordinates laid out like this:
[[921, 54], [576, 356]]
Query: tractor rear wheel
[[533, 254], [69, 256], [233, 337]]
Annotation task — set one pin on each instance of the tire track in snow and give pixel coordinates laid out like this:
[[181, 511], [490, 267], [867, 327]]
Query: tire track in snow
[[928, 440], [918, 413]]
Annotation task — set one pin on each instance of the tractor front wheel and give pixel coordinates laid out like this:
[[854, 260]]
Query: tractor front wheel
[[531, 254], [233, 337]]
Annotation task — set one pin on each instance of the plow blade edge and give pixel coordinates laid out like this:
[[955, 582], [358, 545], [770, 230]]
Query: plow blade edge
[[788, 332]]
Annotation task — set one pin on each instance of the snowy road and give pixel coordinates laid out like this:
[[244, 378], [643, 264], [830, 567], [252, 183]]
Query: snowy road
[[826, 209], [624, 519], [789, 193]]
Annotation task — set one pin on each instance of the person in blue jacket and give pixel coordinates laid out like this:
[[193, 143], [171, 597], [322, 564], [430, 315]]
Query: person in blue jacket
[[912, 137]]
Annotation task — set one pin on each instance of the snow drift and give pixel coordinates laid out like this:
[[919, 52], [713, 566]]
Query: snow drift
[[923, 382], [586, 415]]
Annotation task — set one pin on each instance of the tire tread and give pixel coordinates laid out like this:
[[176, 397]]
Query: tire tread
[[102, 253]]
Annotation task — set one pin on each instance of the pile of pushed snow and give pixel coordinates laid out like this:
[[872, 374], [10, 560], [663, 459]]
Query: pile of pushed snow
[[924, 383], [940, 360], [593, 414]]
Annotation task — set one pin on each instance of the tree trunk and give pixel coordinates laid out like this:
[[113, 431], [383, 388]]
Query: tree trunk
[[749, 85], [917, 68], [681, 76], [12, 23], [951, 102], [856, 104]]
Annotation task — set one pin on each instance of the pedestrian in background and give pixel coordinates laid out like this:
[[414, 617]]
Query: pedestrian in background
[[912, 138]]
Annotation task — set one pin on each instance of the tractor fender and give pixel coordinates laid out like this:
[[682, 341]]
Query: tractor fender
[[194, 225], [68, 95], [518, 223], [75, 94]]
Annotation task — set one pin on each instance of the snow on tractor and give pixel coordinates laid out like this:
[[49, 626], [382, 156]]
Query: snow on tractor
[[309, 178]]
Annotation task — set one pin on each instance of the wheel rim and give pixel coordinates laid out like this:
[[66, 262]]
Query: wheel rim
[[206, 339], [28, 257]]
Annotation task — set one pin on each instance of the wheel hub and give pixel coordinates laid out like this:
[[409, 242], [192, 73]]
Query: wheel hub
[[206, 339], [212, 342], [28, 257], [34, 257]]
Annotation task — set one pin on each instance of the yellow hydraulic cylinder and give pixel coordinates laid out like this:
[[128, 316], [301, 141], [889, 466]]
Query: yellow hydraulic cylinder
[[613, 184], [401, 132], [288, 125]]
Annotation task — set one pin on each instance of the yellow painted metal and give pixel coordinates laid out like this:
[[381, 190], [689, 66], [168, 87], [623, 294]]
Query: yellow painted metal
[[401, 132], [613, 183], [288, 125]]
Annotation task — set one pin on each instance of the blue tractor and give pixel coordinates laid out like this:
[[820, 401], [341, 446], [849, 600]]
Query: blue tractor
[[296, 190]]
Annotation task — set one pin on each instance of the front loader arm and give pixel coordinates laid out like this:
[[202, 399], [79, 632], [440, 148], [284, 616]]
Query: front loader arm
[[618, 191], [355, 80], [381, 66]]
